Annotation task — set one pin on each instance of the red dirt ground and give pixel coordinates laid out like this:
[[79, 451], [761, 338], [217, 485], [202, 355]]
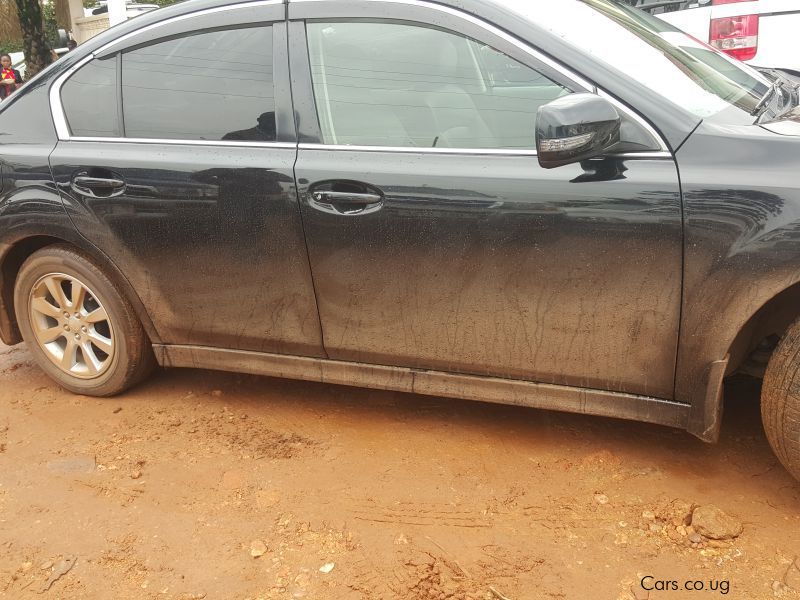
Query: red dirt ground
[[161, 494]]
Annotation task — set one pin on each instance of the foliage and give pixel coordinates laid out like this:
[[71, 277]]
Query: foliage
[[9, 46], [93, 3], [37, 53], [50, 23]]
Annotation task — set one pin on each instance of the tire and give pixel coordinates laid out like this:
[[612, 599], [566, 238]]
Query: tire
[[78, 325], [780, 400]]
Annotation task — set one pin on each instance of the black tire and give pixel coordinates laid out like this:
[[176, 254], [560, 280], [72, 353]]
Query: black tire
[[130, 358], [780, 400]]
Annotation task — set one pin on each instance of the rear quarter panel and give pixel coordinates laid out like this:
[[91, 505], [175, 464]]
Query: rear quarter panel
[[30, 204], [29, 201]]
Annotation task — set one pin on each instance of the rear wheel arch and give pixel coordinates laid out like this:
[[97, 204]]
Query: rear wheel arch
[[78, 325], [10, 263], [18, 253]]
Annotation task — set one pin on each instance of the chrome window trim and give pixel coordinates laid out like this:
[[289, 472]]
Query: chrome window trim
[[289, 145], [418, 150], [199, 13], [57, 110], [588, 86], [658, 155]]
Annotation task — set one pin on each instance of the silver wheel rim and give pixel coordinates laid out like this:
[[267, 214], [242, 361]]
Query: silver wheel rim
[[71, 326]]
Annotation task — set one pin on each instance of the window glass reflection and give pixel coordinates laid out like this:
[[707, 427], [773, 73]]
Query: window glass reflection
[[208, 86]]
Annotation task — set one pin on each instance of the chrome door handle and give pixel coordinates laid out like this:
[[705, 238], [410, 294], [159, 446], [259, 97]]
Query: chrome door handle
[[98, 187], [98, 183], [346, 198]]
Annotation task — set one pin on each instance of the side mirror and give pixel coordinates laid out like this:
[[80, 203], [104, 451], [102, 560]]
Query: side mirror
[[574, 128]]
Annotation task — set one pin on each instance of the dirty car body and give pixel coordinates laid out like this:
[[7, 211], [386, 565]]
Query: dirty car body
[[333, 234]]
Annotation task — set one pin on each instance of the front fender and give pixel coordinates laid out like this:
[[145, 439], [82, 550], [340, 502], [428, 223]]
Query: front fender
[[741, 190]]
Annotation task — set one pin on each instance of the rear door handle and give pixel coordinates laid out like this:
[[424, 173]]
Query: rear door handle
[[98, 187]]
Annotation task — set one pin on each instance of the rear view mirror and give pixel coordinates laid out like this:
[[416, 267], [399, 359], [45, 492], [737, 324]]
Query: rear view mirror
[[574, 128]]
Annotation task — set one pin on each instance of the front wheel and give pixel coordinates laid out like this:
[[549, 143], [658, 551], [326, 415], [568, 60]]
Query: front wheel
[[80, 328], [780, 400]]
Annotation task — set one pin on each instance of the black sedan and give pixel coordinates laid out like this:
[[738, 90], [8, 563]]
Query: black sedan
[[567, 205]]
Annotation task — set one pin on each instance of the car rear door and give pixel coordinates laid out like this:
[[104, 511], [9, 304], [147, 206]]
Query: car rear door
[[438, 242], [175, 158]]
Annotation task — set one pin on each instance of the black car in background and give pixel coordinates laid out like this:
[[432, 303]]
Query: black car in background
[[567, 205]]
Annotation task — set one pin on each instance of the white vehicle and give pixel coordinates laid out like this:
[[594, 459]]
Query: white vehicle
[[762, 33], [132, 9]]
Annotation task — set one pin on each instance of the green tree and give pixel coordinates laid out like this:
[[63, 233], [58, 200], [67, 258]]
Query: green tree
[[50, 24], [34, 41]]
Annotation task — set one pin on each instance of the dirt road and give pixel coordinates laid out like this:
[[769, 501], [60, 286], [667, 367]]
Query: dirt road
[[209, 485]]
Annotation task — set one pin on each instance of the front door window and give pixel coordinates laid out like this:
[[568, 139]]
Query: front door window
[[403, 85]]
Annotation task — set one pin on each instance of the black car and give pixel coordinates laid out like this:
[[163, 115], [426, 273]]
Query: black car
[[567, 205]]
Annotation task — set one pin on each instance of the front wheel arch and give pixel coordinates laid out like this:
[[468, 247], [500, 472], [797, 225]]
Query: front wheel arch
[[768, 323]]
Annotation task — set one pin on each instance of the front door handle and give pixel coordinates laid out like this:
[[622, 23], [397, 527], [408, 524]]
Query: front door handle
[[98, 187], [347, 198]]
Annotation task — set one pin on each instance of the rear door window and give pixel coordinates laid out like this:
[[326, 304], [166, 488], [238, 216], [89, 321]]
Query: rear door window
[[89, 99], [214, 85]]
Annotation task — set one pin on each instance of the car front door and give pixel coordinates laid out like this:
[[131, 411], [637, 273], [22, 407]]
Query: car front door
[[175, 158], [438, 242]]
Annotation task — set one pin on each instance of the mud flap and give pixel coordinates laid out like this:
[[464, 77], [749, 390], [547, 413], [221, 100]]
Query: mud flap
[[705, 420]]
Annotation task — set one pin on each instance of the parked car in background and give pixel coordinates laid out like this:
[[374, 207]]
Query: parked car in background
[[568, 205], [763, 33]]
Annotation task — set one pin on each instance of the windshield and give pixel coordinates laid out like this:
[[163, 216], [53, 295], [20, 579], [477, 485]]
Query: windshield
[[691, 74]]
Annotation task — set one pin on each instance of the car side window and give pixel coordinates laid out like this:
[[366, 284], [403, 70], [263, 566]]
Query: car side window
[[214, 85], [89, 98], [408, 85]]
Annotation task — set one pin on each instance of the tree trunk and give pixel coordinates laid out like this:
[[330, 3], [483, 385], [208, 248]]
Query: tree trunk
[[37, 54]]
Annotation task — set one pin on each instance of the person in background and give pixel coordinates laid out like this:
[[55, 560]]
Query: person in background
[[10, 79]]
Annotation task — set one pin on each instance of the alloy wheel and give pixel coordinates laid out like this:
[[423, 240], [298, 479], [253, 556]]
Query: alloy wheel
[[71, 326]]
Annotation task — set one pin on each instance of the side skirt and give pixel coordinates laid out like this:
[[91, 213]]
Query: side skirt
[[434, 383]]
